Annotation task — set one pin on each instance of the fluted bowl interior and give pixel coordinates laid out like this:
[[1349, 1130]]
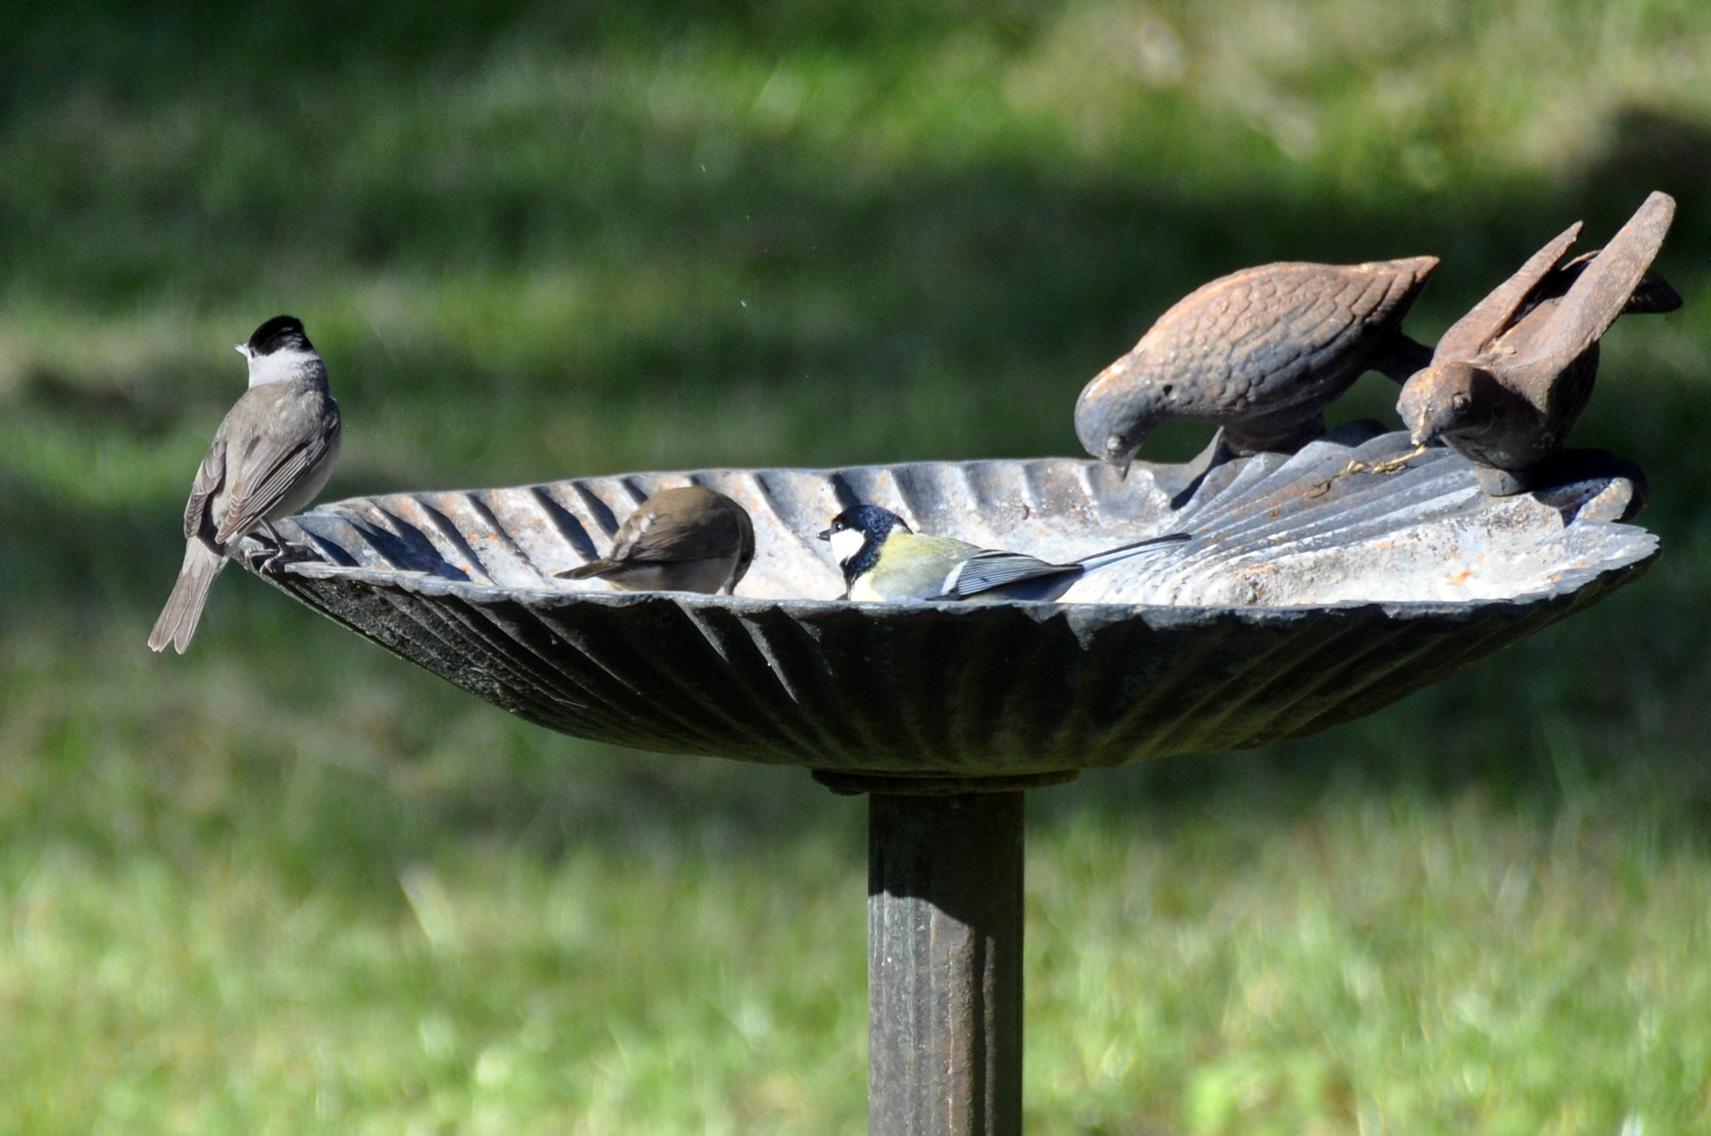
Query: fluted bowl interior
[[1309, 594]]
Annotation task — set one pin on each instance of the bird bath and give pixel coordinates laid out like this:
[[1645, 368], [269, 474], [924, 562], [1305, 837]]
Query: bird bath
[[1307, 597]]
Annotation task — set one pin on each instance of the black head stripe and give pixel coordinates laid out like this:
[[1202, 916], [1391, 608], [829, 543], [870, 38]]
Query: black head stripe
[[875, 524], [863, 561], [281, 333]]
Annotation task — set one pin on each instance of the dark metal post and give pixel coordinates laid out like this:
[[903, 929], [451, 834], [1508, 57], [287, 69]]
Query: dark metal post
[[944, 964]]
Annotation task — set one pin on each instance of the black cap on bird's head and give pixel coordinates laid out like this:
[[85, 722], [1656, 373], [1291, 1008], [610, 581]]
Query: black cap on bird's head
[[859, 531], [869, 520], [281, 333]]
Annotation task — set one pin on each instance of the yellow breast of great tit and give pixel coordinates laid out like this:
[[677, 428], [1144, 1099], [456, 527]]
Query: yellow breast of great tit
[[910, 566]]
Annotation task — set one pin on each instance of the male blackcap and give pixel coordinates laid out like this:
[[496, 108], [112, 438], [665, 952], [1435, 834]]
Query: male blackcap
[[272, 453]]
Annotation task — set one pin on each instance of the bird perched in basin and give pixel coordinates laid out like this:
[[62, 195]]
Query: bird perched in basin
[[1260, 353], [680, 540], [1511, 377], [272, 453], [883, 559]]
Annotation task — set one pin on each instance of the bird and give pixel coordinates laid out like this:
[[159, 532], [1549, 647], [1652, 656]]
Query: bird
[[1260, 353], [271, 455], [690, 539], [883, 559], [1510, 378]]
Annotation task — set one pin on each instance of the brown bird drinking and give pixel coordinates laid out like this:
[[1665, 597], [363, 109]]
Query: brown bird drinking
[[1259, 353], [1511, 377]]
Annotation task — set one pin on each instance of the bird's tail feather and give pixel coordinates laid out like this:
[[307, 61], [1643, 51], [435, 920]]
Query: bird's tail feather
[[584, 571], [177, 622], [1123, 552]]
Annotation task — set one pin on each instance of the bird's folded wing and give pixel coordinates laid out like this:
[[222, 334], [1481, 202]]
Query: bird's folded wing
[[263, 473], [993, 569], [662, 541], [210, 475], [1486, 320]]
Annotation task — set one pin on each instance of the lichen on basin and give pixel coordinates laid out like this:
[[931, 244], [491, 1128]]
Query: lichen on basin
[[1310, 594]]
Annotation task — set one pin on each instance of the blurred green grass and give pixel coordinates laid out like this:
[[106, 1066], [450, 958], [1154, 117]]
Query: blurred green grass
[[288, 884]]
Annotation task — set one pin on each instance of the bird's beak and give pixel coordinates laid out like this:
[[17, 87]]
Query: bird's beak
[[242, 349], [824, 534], [1118, 452]]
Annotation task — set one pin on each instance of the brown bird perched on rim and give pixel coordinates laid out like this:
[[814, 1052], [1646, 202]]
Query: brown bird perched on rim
[[1511, 377], [272, 453], [1259, 353], [680, 540]]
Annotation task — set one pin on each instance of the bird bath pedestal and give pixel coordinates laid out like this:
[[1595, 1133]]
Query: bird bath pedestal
[[1308, 596]]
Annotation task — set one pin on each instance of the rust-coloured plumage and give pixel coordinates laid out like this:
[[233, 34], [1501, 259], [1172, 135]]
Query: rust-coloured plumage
[[1510, 378], [1260, 353]]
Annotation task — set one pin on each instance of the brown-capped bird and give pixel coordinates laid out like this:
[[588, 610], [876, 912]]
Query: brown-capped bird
[[680, 540], [1511, 377], [1259, 353]]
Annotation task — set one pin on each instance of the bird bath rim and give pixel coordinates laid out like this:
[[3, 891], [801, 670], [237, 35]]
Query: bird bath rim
[[966, 690], [427, 584]]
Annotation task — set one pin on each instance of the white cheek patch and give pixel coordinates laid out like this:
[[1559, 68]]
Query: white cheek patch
[[281, 366], [846, 543]]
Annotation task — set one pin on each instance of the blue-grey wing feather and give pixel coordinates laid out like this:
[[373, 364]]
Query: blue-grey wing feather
[[994, 569]]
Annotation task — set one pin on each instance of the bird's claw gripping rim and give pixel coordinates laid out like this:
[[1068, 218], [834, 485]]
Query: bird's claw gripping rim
[[269, 552]]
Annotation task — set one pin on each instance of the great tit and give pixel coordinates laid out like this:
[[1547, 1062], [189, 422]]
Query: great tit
[[272, 453], [680, 540], [882, 559]]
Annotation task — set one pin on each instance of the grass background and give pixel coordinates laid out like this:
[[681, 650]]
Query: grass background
[[289, 884]]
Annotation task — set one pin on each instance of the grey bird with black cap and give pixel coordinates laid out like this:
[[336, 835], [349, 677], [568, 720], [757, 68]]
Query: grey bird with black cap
[[273, 452]]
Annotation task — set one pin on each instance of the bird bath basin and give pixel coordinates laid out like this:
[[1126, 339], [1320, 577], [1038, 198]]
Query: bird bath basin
[[1307, 597]]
